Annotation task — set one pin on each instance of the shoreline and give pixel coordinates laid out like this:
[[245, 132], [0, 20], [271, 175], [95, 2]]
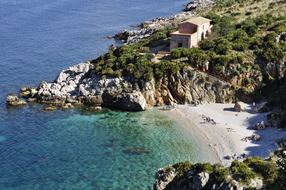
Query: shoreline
[[225, 137], [147, 28]]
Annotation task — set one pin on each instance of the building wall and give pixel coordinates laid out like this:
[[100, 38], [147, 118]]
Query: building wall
[[185, 40], [194, 40], [187, 28], [203, 30]]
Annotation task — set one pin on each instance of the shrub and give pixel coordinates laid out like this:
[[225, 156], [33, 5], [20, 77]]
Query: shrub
[[279, 28], [207, 44], [264, 20], [250, 27], [183, 167], [241, 171], [222, 59], [176, 53], [270, 50], [215, 19], [224, 26], [240, 46], [267, 169], [197, 57], [238, 35], [222, 46], [203, 167], [220, 173]]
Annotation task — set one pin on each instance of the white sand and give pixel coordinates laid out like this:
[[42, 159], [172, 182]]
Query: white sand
[[225, 136]]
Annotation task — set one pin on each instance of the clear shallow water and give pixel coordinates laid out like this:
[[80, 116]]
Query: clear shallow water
[[76, 149]]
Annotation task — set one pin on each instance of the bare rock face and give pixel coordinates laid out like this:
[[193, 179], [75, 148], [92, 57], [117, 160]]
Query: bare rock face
[[200, 180], [80, 83], [163, 178], [131, 101], [240, 107]]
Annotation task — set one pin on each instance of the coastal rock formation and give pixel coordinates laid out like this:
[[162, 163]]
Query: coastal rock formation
[[163, 178], [14, 100], [171, 178], [80, 84], [198, 3]]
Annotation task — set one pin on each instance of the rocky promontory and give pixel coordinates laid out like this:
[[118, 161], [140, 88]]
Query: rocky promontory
[[80, 84], [251, 173]]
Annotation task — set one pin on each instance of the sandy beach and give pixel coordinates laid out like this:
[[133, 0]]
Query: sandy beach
[[225, 130]]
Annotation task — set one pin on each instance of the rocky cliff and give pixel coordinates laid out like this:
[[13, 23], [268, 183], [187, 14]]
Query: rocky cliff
[[80, 84]]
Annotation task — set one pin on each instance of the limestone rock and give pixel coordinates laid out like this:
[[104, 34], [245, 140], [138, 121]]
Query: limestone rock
[[163, 178], [28, 92], [131, 101], [13, 100], [200, 180], [260, 126], [240, 107]]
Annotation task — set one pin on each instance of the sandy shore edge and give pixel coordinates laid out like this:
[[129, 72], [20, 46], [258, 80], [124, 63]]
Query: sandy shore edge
[[224, 134]]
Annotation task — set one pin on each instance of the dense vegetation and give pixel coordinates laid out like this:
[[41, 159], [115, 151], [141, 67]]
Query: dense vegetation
[[237, 49], [234, 52], [135, 60]]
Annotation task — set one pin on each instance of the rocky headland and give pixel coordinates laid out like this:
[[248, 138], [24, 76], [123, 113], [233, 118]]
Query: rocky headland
[[81, 85]]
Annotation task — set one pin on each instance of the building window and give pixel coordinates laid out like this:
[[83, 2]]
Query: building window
[[180, 45]]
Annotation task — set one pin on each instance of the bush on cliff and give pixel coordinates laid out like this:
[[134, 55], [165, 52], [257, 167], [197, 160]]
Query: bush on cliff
[[268, 170], [241, 172], [197, 57]]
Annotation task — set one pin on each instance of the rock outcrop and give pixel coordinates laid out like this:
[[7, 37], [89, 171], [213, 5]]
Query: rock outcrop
[[193, 5], [80, 84], [171, 178], [240, 106], [14, 100]]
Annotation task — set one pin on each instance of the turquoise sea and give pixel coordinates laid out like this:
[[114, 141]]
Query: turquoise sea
[[77, 149]]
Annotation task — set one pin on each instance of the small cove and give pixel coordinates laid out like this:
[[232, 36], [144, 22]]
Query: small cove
[[75, 149]]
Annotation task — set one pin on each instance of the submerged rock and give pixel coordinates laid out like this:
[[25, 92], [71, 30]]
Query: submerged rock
[[50, 108], [136, 151], [95, 108]]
